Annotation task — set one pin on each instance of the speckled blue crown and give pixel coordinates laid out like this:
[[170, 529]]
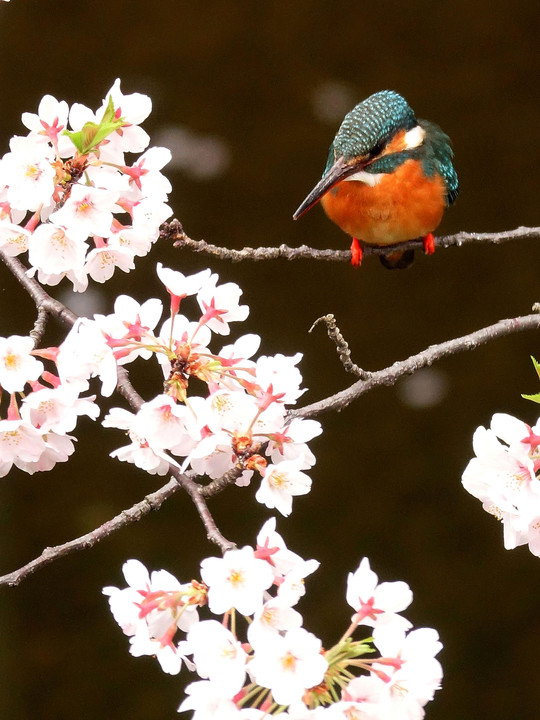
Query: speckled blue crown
[[371, 123]]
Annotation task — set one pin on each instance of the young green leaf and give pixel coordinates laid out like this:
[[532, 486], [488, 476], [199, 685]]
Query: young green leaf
[[92, 134], [536, 396]]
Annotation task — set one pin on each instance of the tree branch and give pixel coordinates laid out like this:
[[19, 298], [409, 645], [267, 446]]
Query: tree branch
[[197, 495], [174, 231], [42, 300], [153, 501], [40, 326], [47, 305], [390, 375]]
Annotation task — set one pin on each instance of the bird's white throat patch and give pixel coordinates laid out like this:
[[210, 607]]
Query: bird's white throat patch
[[370, 179]]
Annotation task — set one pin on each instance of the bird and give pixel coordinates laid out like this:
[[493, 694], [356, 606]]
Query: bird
[[388, 179]]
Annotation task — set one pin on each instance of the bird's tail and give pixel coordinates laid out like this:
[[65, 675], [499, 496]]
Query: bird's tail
[[399, 260]]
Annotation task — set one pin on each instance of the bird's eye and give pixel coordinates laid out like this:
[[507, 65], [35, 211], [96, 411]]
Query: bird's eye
[[377, 149]]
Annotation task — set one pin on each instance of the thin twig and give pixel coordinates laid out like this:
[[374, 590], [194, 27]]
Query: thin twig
[[342, 346]]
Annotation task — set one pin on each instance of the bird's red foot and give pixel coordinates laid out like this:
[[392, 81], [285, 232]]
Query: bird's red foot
[[356, 253], [429, 244]]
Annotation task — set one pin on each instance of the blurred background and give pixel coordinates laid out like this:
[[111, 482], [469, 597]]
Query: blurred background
[[248, 96]]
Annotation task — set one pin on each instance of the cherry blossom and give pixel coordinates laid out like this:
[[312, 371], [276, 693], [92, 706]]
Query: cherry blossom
[[366, 697], [134, 242], [13, 238], [130, 327], [275, 616], [87, 211], [219, 304], [52, 251], [138, 451], [148, 214], [237, 580], [57, 409], [289, 665], [180, 285], [50, 121], [279, 376], [417, 674], [170, 657], [70, 199], [241, 350], [27, 172], [85, 354], [134, 109], [150, 610], [272, 548], [145, 176], [291, 442], [218, 655], [58, 448], [213, 455], [166, 425], [281, 483], [102, 261], [375, 603], [17, 365], [286, 665], [292, 587], [503, 477], [20, 443], [209, 702]]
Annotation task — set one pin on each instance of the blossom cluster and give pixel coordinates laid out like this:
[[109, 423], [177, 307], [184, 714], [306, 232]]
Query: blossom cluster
[[61, 188], [503, 476], [68, 197], [35, 434], [243, 409], [240, 414], [268, 663]]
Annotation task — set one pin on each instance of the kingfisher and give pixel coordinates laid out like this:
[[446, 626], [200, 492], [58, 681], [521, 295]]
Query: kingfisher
[[388, 179]]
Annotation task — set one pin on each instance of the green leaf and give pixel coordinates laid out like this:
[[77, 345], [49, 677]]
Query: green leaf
[[92, 134], [534, 398], [108, 113]]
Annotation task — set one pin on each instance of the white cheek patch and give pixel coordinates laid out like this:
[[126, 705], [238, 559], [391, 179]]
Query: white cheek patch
[[370, 179], [414, 137]]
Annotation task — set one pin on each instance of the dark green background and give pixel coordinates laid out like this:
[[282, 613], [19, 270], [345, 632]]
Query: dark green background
[[387, 481]]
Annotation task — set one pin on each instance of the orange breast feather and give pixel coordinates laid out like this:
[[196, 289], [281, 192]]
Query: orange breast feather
[[403, 205]]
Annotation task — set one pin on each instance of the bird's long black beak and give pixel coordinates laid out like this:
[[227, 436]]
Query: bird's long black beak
[[339, 171]]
